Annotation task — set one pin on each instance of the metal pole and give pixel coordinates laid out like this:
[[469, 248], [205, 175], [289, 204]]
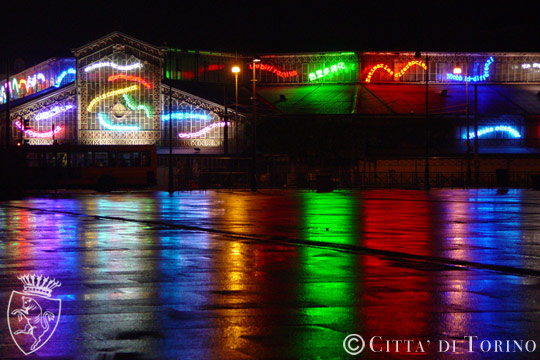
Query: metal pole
[[254, 135], [8, 112], [476, 160], [426, 170], [469, 178], [226, 131], [171, 189], [236, 110]]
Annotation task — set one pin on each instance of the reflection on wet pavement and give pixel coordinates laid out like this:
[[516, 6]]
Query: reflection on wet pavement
[[279, 274]]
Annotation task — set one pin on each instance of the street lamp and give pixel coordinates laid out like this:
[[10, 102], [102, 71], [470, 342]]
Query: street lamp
[[256, 59], [236, 70], [457, 70], [426, 169]]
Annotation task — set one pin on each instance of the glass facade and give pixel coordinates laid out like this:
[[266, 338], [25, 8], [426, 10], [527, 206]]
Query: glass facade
[[116, 94], [192, 125], [443, 67], [51, 73], [53, 117]]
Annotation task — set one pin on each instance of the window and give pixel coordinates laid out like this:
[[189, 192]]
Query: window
[[81, 159], [104, 159]]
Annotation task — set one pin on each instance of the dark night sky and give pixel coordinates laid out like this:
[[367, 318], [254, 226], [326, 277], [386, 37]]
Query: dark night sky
[[37, 32]]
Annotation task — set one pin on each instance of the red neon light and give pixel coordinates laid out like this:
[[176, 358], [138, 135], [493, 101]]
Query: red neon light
[[138, 79], [397, 74], [37, 134], [273, 69]]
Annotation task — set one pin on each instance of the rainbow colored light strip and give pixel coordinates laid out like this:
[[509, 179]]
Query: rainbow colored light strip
[[475, 78], [97, 99], [489, 129], [106, 124], [184, 115], [35, 134], [112, 65], [54, 111], [63, 75], [203, 131], [131, 104], [139, 79], [327, 71], [274, 70], [397, 74]]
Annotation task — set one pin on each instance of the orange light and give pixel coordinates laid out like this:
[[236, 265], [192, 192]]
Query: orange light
[[457, 70], [235, 69], [138, 79]]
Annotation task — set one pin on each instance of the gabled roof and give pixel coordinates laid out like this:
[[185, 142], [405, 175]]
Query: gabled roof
[[117, 37]]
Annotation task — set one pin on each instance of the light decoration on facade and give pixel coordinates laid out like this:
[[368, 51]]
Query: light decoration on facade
[[64, 73], [533, 65], [107, 125], [489, 129], [138, 79], [203, 131], [475, 78], [53, 111], [3, 93], [36, 134], [31, 81], [131, 104], [397, 74], [97, 99], [15, 85], [98, 65], [184, 115], [274, 70], [327, 71]]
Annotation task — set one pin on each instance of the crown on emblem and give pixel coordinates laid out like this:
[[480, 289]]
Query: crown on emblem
[[38, 285]]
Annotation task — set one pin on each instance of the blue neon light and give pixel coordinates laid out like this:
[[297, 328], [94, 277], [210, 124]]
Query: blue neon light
[[106, 124], [475, 78], [185, 115], [63, 75], [489, 129]]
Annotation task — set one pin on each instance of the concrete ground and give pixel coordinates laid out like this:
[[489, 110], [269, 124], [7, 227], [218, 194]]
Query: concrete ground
[[277, 275]]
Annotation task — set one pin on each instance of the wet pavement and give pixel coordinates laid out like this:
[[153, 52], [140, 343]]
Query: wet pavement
[[280, 274]]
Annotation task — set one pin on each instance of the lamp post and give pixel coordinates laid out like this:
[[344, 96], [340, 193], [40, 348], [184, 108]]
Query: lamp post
[[171, 177], [236, 69], [254, 129], [426, 169], [457, 70]]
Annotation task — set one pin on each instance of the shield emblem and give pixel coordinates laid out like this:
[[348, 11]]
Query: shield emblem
[[32, 319]]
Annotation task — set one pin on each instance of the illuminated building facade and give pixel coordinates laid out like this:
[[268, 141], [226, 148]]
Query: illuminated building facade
[[120, 90], [111, 93]]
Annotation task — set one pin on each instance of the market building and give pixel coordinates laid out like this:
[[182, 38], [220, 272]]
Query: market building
[[381, 111]]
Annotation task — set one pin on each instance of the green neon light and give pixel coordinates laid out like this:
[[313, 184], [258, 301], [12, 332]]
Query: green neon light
[[333, 69], [131, 104]]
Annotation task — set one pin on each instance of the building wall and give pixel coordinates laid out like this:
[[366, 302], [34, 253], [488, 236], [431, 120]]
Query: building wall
[[50, 117], [51, 73], [119, 99]]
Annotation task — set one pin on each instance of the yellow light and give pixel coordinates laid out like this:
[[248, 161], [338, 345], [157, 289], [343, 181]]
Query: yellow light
[[109, 94], [236, 69], [457, 70]]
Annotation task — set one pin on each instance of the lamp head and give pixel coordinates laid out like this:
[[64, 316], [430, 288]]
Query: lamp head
[[235, 69]]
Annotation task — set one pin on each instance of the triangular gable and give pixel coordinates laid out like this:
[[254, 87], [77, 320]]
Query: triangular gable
[[117, 38]]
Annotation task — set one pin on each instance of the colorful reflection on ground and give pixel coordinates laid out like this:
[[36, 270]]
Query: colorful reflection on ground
[[279, 274]]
